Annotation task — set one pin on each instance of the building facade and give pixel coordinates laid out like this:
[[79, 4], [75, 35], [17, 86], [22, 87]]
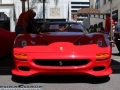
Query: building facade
[[51, 12], [66, 9], [6, 15], [75, 5], [104, 7]]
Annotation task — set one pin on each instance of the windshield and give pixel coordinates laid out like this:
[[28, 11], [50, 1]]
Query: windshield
[[62, 27]]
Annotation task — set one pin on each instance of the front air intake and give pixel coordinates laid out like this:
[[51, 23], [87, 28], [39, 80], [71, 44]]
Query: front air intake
[[61, 62]]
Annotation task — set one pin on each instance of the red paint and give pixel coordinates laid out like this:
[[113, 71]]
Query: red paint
[[58, 47], [6, 42]]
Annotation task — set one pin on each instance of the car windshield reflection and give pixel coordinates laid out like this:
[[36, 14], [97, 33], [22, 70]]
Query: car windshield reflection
[[62, 28]]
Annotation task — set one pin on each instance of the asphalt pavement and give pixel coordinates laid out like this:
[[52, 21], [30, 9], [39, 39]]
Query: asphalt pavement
[[74, 82]]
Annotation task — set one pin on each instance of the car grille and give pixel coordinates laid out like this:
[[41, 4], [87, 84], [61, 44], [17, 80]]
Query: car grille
[[61, 62]]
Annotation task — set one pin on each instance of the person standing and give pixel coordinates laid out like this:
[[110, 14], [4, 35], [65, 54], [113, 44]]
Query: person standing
[[117, 36], [113, 38], [108, 24], [32, 24], [117, 27], [22, 22], [117, 41]]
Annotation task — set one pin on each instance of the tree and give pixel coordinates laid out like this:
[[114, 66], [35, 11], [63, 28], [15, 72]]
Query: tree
[[44, 1], [23, 5], [41, 1]]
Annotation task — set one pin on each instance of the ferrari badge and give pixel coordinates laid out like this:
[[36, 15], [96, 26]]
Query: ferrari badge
[[61, 48]]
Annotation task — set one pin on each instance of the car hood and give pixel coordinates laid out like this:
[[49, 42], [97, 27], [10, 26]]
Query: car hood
[[61, 36]]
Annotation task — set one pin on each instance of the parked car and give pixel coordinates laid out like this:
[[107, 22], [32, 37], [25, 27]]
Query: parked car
[[6, 42], [62, 48]]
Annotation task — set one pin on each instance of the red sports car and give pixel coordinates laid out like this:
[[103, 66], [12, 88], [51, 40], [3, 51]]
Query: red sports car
[[6, 42], [62, 48]]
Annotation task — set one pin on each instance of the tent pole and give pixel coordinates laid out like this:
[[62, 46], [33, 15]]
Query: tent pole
[[111, 32], [28, 4]]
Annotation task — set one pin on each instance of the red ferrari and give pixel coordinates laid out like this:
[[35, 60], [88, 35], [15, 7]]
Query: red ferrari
[[62, 48], [6, 42]]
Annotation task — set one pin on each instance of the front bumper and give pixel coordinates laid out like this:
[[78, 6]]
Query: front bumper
[[88, 68], [54, 52]]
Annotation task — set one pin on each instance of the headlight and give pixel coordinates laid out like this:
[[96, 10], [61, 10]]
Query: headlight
[[24, 43], [20, 56], [102, 55], [99, 43]]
